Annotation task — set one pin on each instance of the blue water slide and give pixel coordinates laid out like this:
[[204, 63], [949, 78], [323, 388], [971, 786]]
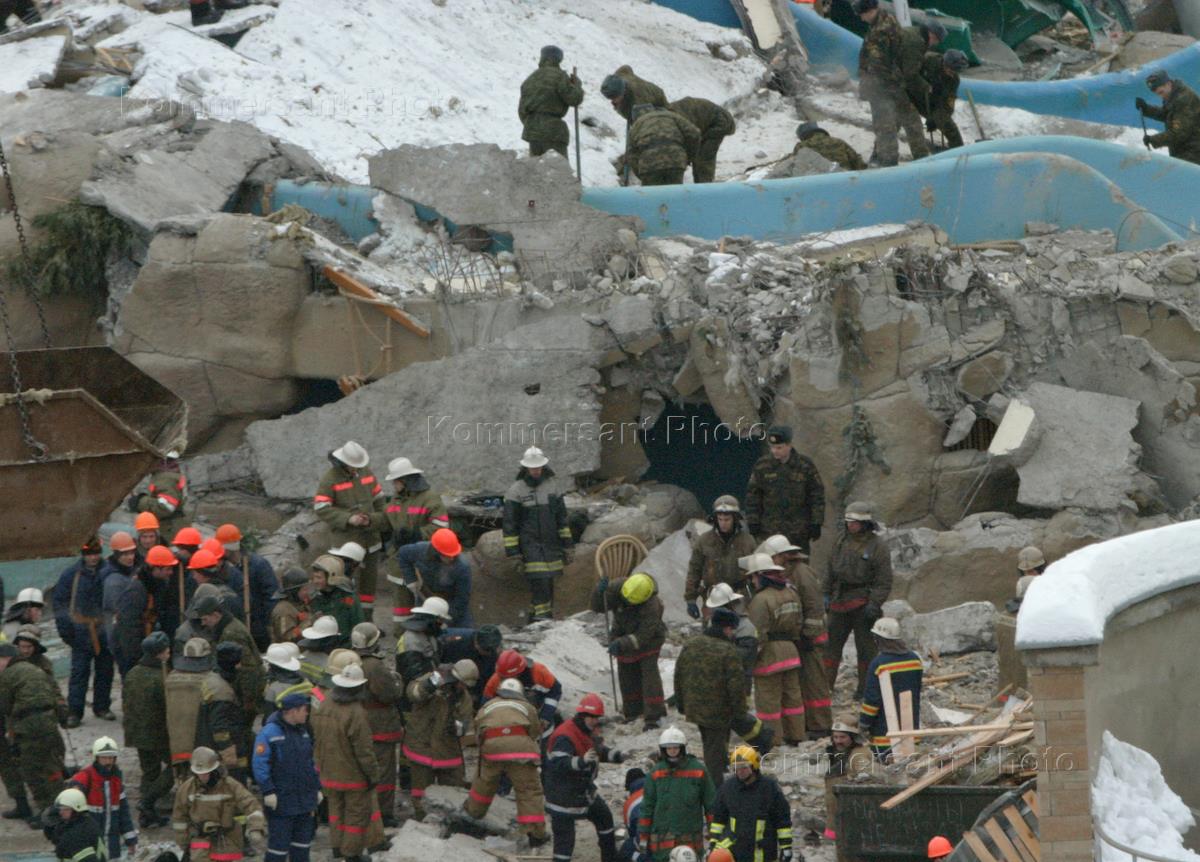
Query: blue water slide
[[973, 198]]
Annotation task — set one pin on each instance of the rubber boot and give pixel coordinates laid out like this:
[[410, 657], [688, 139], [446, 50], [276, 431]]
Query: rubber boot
[[21, 811], [204, 13]]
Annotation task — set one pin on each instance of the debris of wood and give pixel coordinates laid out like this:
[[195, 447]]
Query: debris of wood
[[944, 678], [958, 730]]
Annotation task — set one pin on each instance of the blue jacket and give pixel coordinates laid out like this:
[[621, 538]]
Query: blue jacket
[[283, 765], [906, 672], [451, 581], [263, 586], [89, 601]]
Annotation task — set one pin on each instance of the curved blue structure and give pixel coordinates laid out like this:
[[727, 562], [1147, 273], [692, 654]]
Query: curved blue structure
[[973, 198]]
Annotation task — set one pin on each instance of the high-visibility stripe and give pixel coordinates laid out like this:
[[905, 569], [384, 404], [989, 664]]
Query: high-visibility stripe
[[343, 486], [769, 716], [552, 566], [426, 760], [819, 703], [179, 758], [682, 773], [636, 657], [867, 709], [822, 638], [881, 741], [391, 736], [417, 793], [777, 667], [480, 798], [393, 509], [899, 666], [830, 834], [418, 510], [224, 857], [343, 785], [513, 755], [511, 541], [531, 818], [385, 788], [793, 710], [366, 598], [200, 845]]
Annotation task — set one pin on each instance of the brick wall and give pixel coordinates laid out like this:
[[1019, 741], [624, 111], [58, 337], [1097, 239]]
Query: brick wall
[[1064, 772]]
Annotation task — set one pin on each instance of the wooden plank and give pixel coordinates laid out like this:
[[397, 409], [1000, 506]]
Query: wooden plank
[[356, 290], [961, 758], [1031, 800], [978, 847], [949, 677], [908, 745], [889, 705], [1023, 832], [1002, 841], [960, 729]]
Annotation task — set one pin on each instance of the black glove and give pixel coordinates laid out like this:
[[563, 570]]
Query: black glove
[[1146, 140], [930, 125], [814, 532], [693, 610], [874, 612], [1141, 104], [616, 756], [602, 584]]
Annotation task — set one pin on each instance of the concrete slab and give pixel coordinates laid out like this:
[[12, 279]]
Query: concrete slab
[[31, 63]]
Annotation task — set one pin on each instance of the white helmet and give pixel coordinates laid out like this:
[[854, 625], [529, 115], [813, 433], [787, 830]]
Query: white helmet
[[683, 853], [398, 468], [887, 628], [352, 676], [352, 455], [72, 798], [281, 656], [721, 595], [293, 648], [759, 563], [351, 551], [30, 596], [105, 746], [434, 607], [511, 687], [671, 736], [322, 627], [534, 457], [364, 636], [777, 544]]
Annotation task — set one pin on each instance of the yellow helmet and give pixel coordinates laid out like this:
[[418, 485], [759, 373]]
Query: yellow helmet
[[744, 754], [637, 588]]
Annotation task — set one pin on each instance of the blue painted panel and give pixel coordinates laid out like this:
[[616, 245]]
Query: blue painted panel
[[717, 12]]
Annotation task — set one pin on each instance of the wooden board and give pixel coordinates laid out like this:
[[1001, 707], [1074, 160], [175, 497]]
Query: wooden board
[[908, 745], [1002, 841], [979, 848], [352, 287], [889, 706], [1024, 834]]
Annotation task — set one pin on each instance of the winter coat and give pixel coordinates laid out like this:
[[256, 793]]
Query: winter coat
[[343, 605], [419, 635], [710, 686], [419, 562], [288, 620], [835, 150], [202, 709], [546, 96], [913, 46], [541, 688], [787, 498], [879, 63], [279, 683], [637, 630], [812, 604], [414, 515], [675, 800], [906, 672], [114, 595], [638, 91], [570, 780], [258, 576], [1181, 113], [74, 840], [660, 140], [714, 560], [344, 753], [343, 492], [943, 89], [535, 525], [165, 497], [753, 821], [250, 673], [858, 571], [135, 616], [778, 619], [208, 818], [431, 737], [384, 696], [711, 119], [144, 706], [458, 644], [110, 809], [508, 730], [29, 700], [283, 764], [78, 607]]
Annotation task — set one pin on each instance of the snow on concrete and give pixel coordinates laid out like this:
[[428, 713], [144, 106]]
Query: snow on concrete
[[578, 660], [1071, 603], [667, 562], [30, 63], [1134, 805]]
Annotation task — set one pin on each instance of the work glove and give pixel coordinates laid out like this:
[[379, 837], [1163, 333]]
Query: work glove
[[257, 839], [1146, 140], [930, 126], [320, 797], [814, 532], [602, 584], [271, 800], [432, 682], [592, 757], [460, 728], [693, 610], [1141, 104], [873, 611], [615, 755]]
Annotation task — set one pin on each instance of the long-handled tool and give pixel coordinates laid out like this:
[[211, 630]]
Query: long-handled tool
[[578, 161], [1145, 131], [612, 670], [975, 113]]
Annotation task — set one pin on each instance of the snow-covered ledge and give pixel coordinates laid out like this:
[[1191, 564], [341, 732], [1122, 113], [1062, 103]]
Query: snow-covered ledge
[[1108, 637]]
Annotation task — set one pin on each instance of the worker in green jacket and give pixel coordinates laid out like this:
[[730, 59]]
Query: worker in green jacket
[[813, 137], [30, 712], [661, 144], [677, 799], [715, 125], [546, 96], [941, 73], [625, 90], [914, 43], [1180, 112]]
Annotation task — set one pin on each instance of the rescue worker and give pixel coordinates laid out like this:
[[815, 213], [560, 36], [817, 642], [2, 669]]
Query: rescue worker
[[941, 73], [848, 760], [881, 84], [421, 629], [211, 811], [677, 799], [574, 755], [785, 493], [711, 691], [624, 89], [117, 575], [75, 835], [438, 568], [200, 706], [536, 530], [858, 580], [715, 555], [330, 593], [150, 602], [939, 847], [186, 542], [317, 642], [207, 571], [287, 776], [715, 124], [546, 96], [810, 136], [481, 646], [144, 696], [413, 513], [539, 686], [631, 814], [283, 676], [1031, 562], [439, 716], [507, 727], [777, 616], [661, 146], [352, 555], [217, 625], [149, 532], [351, 503], [258, 581], [30, 648], [746, 636], [166, 496], [78, 599], [1180, 112], [290, 615], [915, 41], [30, 711], [10, 765], [385, 697], [636, 638], [229, 659], [103, 787], [904, 667], [751, 817], [26, 610], [345, 758]]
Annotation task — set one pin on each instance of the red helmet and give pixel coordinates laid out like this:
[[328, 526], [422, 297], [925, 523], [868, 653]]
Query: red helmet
[[214, 547], [939, 847], [188, 537], [510, 663], [591, 705], [160, 556], [203, 559]]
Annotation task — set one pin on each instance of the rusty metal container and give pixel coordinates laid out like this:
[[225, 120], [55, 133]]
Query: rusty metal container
[[105, 425]]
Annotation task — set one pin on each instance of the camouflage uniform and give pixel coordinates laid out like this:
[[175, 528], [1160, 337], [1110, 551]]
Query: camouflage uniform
[[1181, 113], [144, 696], [638, 91], [834, 149], [858, 574], [710, 691], [787, 498], [715, 560], [715, 124], [661, 144], [28, 705], [881, 83], [942, 93], [546, 95]]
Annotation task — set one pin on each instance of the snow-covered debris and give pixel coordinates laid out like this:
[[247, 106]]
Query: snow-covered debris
[[1070, 604], [578, 660], [1134, 805], [31, 63]]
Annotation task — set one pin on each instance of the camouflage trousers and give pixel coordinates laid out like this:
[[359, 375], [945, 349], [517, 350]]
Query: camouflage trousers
[[704, 166], [540, 147], [891, 111], [671, 177], [10, 770], [40, 753], [945, 124]]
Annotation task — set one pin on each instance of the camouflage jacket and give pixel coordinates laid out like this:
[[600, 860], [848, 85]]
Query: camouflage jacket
[[546, 96], [715, 560], [711, 119], [787, 498], [710, 687], [661, 140], [942, 88], [144, 696], [1181, 113], [859, 571], [638, 91], [879, 60], [834, 149], [912, 54]]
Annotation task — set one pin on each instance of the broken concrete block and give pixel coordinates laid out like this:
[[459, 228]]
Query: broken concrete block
[[1017, 434], [424, 841], [726, 381], [969, 627], [1181, 269], [977, 340], [667, 562], [32, 63], [960, 427], [1147, 45], [984, 375], [805, 163], [632, 323]]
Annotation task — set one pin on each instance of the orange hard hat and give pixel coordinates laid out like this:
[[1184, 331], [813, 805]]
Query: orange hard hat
[[188, 537], [939, 846], [228, 533], [145, 521], [214, 547], [122, 541], [203, 559], [444, 541], [720, 855], [591, 704], [160, 555]]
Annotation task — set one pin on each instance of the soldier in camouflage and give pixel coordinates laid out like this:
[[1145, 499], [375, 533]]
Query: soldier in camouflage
[[710, 688], [914, 42], [625, 89], [940, 72], [715, 124], [546, 96], [661, 144], [1180, 112], [785, 494], [813, 137], [881, 84]]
